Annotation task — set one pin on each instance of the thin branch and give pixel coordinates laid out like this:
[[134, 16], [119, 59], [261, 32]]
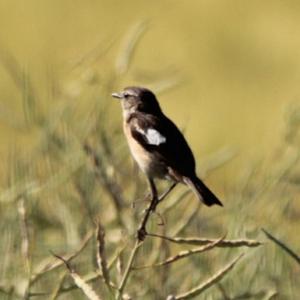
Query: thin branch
[[101, 257], [166, 192], [140, 239], [50, 266], [89, 278], [24, 233], [207, 284], [201, 241], [86, 289], [94, 276], [128, 269], [183, 254], [25, 242], [288, 250]]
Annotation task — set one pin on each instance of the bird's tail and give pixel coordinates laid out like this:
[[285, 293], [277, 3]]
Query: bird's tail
[[202, 191]]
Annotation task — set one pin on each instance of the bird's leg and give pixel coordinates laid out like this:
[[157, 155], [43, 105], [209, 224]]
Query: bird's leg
[[151, 208], [167, 192], [154, 201], [154, 194]]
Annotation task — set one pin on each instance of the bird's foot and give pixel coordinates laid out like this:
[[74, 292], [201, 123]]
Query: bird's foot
[[141, 234]]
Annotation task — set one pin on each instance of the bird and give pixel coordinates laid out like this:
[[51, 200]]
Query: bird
[[157, 145]]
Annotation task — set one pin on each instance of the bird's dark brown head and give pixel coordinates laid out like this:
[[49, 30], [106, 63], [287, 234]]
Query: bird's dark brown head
[[138, 99]]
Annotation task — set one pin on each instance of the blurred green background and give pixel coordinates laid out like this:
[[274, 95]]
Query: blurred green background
[[227, 72], [239, 61]]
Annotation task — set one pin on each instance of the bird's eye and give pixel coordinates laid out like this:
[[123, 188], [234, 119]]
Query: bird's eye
[[126, 95]]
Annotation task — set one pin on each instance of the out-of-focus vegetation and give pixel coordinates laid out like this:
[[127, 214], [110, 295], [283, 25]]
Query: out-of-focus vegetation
[[226, 71]]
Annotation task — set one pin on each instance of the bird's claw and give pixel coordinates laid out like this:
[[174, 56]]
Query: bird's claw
[[141, 234]]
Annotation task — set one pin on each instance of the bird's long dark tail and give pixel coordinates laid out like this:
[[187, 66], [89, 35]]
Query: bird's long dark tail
[[202, 191]]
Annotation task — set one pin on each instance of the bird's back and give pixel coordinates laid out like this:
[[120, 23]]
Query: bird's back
[[174, 152], [178, 152]]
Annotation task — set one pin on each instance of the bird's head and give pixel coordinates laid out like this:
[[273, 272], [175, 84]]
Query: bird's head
[[138, 99]]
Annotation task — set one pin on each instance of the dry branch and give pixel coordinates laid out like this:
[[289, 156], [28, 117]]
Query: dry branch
[[101, 257], [86, 289], [283, 246], [128, 269], [24, 233], [94, 276], [183, 254], [207, 284], [201, 241], [52, 265]]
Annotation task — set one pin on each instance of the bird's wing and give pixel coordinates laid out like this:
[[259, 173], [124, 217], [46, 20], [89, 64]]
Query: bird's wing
[[160, 136], [150, 136]]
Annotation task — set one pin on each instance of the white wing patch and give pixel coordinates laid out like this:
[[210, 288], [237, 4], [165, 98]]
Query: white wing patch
[[153, 136]]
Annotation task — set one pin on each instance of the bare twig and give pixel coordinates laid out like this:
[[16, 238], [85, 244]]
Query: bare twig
[[52, 265], [140, 239], [101, 257], [86, 289], [89, 278], [128, 269], [207, 284], [283, 246], [24, 233], [183, 254], [201, 241], [166, 192], [94, 276], [25, 242]]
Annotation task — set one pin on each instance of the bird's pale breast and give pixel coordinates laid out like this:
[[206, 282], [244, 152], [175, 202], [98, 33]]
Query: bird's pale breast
[[145, 160]]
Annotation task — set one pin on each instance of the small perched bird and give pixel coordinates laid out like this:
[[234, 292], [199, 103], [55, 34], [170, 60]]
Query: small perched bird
[[157, 145]]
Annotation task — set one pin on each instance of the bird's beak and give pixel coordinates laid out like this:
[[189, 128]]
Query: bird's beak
[[118, 95]]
